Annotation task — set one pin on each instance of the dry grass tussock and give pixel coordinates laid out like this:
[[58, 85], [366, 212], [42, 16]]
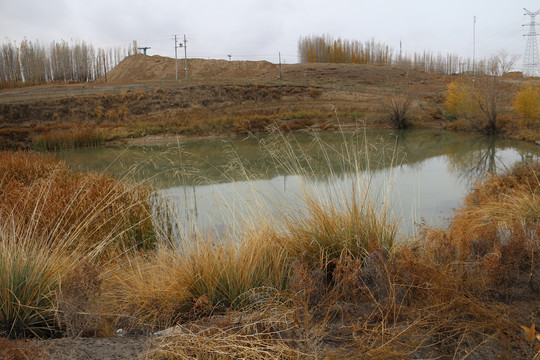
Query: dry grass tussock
[[42, 196], [57, 228], [65, 139], [264, 330], [203, 278]]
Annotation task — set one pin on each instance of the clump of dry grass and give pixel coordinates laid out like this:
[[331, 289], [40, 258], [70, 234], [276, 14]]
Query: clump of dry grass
[[145, 291], [265, 330], [204, 277], [29, 279], [74, 138], [226, 272], [25, 167], [78, 301], [55, 224], [43, 196], [327, 233]]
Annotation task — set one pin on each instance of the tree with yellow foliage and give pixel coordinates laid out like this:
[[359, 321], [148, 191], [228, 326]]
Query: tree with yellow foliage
[[527, 104], [460, 100], [480, 102]]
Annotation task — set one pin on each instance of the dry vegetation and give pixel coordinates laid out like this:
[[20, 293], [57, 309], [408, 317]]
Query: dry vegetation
[[57, 226], [81, 257]]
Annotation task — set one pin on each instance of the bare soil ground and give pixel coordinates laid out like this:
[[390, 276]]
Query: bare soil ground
[[338, 336], [121, 347], [151, 68]]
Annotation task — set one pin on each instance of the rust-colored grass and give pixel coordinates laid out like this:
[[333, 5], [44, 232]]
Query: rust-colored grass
[[43, 196], [74, 138], [56, 226]]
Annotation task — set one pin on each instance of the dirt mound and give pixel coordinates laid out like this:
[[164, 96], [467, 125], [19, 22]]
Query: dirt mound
[[143, 67], [151, 68]]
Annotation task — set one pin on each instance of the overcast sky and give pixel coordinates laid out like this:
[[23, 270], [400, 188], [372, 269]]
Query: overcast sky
[[259, 29]]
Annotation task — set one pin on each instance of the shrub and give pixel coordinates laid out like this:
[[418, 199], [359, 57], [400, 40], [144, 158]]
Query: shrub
[[397, 110]]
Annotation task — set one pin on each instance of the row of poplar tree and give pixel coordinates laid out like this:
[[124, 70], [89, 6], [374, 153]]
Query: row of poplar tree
[[325, 49], [30, 61]]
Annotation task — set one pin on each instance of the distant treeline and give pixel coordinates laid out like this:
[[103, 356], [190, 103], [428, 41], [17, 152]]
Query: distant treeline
[[326, 49], [32, 62]]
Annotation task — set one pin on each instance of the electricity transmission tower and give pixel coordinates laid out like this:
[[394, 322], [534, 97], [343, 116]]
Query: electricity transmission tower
[[531, 61]]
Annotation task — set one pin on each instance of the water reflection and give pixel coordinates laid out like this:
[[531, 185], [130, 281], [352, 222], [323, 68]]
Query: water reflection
[[426, 172], [488, 155]]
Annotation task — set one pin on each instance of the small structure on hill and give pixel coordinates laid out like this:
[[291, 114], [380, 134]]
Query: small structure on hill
[[144, 48]]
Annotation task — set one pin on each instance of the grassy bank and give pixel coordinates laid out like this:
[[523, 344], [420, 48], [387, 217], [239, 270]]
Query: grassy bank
[[80, 255]]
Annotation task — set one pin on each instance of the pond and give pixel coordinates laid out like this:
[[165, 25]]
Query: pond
[[212, 185]]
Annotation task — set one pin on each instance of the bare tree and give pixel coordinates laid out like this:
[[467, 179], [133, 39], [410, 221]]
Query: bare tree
[[60, 61], [10, 63], [489, 95], [505, 62]]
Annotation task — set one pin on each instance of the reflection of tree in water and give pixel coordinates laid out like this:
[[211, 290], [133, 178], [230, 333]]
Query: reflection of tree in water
[[405, 141], [480, 157]]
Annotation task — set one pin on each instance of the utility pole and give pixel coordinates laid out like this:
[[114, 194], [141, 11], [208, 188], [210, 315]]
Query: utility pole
[[185, 53], [176, 55], [280, 72], [176, 46], [531, 61], [400, 52], [474, 50]]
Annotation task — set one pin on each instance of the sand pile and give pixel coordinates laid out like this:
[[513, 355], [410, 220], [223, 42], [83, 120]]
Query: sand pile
[[143, 67]]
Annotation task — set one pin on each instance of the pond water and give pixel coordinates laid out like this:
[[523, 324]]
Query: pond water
[[213, 185]]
